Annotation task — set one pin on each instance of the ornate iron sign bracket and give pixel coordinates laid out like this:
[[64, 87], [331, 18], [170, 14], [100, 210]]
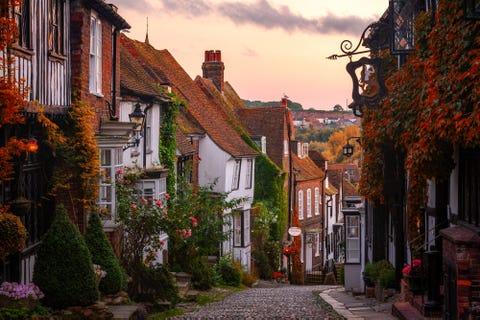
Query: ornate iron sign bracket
[[366, 73]]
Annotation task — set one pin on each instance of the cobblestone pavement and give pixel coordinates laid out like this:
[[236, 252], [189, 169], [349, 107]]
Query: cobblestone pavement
[[276, 302]]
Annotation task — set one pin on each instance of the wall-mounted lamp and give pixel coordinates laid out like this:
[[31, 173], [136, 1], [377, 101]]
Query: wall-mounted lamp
[[348, 148], [137, 117], [472, 9], [32, 145]]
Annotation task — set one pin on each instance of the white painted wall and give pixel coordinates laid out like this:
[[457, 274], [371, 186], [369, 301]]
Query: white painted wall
[[134, 155]]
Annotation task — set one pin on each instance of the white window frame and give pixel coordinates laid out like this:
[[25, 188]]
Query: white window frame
[[285, 147], [237, 229], [236, 174], [352, 239], [249, 176], [309, 203], [109, 166], [95, 72], [316, 203], [300, 205]]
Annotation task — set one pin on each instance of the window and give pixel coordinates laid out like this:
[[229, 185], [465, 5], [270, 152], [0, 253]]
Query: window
[[249, 174], [56, 23], [317, 203], [352, 237], [309, 203], [95, 55], [237, 229], [236, 174], [152, 189], [285, 147], [300, 205], [22, 19], [148, 130], [111, 160], [317, 245], [304, 149]]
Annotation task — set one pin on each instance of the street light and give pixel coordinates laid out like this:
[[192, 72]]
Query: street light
[[137, 117], [348, 148]]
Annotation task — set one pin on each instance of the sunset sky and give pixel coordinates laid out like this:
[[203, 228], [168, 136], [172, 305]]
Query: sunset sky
[[269, 47]]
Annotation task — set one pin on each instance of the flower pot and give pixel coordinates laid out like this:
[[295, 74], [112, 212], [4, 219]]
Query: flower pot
[[415, 283], [7, 302]]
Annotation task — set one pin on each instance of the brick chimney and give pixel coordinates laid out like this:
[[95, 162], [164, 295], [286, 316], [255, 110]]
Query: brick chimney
[[284, 101], [213, 68]]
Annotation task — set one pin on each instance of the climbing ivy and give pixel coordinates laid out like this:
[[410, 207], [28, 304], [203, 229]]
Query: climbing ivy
[[167, 143], [433, 105]]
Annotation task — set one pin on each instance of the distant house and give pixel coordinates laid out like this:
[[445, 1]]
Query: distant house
[[308, 182]]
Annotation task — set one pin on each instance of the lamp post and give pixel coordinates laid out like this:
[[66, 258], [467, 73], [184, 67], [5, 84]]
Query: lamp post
[[348, 148], [137, 117]]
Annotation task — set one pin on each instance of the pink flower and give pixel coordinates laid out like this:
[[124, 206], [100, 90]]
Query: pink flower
[[162, 243], [167, 196], [133, 206], [199, 159], [158, 203], [194, 221], [120, 171], [143, 200]]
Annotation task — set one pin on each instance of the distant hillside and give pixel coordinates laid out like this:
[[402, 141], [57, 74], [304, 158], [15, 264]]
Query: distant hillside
[[294, 106]]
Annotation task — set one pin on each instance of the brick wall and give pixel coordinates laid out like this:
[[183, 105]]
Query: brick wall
[[461, 252], [80, 49]]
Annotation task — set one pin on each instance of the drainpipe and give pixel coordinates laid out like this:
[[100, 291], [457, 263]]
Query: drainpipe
[[113, 107], [324, 214]]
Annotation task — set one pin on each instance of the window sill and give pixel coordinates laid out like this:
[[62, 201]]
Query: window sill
[[56, 57], [22, 52], [98, 95]]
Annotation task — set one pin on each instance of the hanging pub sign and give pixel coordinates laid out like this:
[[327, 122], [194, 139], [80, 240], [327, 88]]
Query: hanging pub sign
[[368, 84]]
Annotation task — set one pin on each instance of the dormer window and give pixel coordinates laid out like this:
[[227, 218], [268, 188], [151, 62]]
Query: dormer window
[[305, 150]]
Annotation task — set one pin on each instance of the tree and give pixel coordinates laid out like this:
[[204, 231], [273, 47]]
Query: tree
[[338, 108], [334, 150], [63, 267], [102, 255]]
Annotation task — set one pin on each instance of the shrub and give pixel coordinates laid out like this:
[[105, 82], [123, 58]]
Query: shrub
[[381, 272], [102, 255], [262, 265], [203, 275], [63, 268], [14, 313], [248, 279], [12, 233], [229, 274], [153, 283]]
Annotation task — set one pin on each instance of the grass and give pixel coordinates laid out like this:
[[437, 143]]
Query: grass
[[204, 297]]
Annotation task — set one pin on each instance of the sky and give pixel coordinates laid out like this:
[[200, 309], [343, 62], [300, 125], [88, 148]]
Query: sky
[[270, 48]]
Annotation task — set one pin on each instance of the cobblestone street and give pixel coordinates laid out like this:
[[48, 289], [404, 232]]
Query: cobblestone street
[[278, 302]]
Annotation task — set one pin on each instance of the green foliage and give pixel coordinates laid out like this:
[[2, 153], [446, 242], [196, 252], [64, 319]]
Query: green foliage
[[14, 313], [294, 106], [142, 220], [12, 233], [381, 272], [203, 275], [63, 268], [168, 145], [314, 134], [154, 283], [229, 274], [102, 255], [195, 223], [266, 249]]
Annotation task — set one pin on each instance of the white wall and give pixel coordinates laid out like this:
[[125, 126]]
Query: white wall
[[134, 155]]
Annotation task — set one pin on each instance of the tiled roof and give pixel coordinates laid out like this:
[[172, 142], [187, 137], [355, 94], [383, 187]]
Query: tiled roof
[[110, 12], [183, 144], [318, 158], [306, 169], [135, 81], [268, 122], [208, 115]]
